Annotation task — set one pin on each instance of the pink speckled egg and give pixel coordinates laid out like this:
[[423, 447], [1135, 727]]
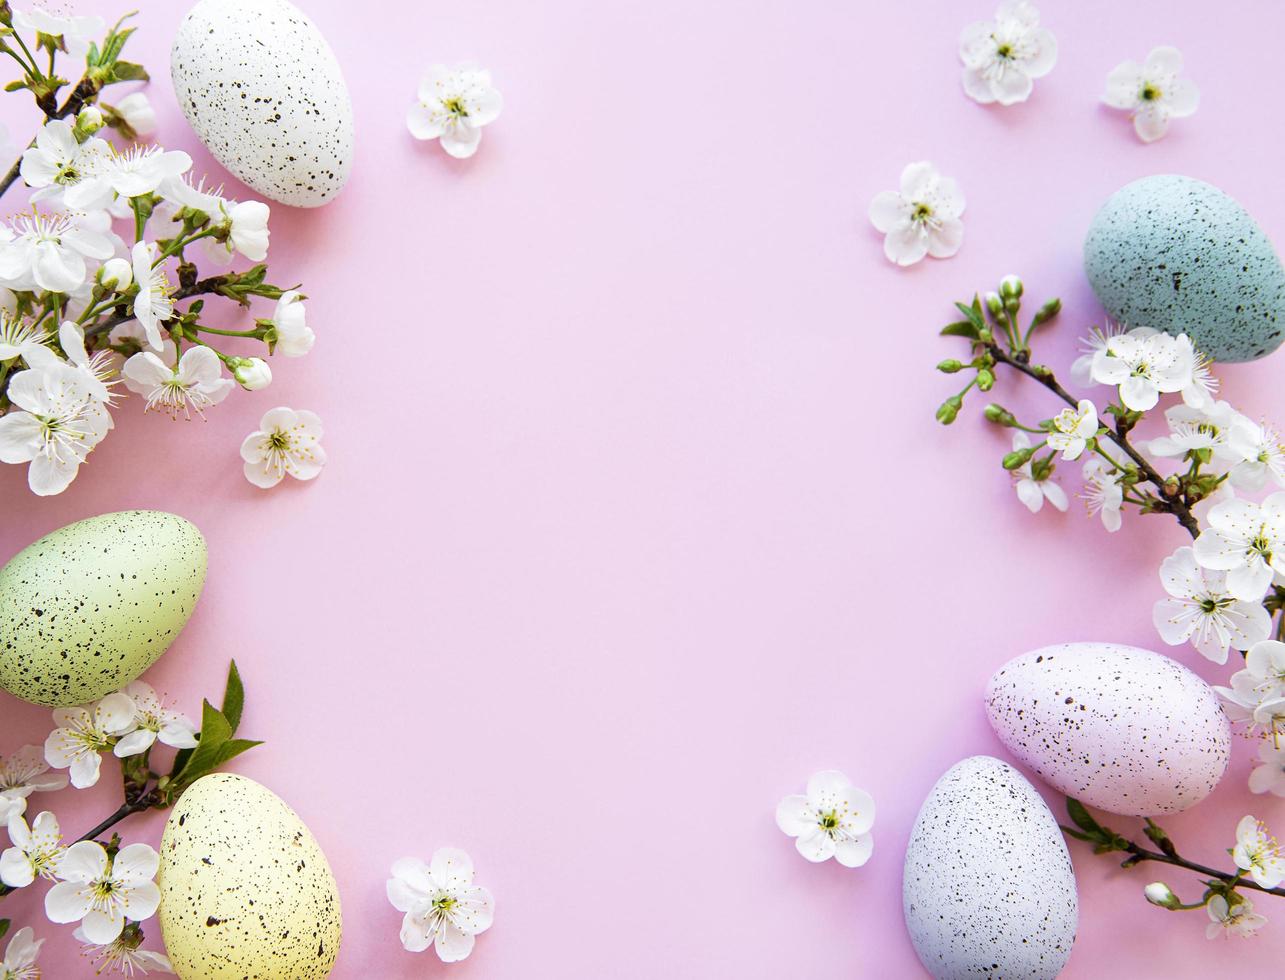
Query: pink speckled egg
[[1117, 727]]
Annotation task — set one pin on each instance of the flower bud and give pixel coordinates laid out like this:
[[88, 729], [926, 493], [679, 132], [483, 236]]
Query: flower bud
[[985, 379], [1018, 457], [1158, 893], [999, 415], [89, 121], [950, 366], [1048, 311], [251, 373], [949, 410], [994, 304], [116, 274], [1010, 287]]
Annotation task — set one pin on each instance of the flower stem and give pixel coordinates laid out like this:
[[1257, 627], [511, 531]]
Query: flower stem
[[1138, 854]]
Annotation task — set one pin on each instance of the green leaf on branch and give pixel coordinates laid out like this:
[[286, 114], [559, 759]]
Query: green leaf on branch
[[1081, 817], [960, 328], [4, 927], [233, 699], [216, 744]]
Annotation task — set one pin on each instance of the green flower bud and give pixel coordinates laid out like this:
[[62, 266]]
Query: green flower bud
[[89, 121], [1158, 893], [950, 366], [1048, 311], [949, 410], [1018, 457], [994, 304], [1010, 287], [999, 415], [985, 379]]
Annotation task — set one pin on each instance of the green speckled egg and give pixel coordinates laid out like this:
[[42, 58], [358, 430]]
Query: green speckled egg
[[88, 608], [1176, 254], [246, 893]]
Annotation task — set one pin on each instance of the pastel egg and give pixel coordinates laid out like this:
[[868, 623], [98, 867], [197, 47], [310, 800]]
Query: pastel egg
[[988, 889], [246, 892], [1176, 254], [1117, 727], [264, 93], [88, 608]]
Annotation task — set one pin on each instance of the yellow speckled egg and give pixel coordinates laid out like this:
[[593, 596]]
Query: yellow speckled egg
[[88, 608], [246, 893]]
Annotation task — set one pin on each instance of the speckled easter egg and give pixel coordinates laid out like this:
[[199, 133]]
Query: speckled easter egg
[[263, 91], [1176, 254], [988, 889], [1120, 728], [88, 608], [246, 892]]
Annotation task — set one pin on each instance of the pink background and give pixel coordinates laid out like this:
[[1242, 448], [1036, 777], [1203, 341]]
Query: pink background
[[637, 513]]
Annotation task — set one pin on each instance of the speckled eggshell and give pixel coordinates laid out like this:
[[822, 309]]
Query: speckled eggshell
[[1117, 727], [246, 892], [988, 889], [88, 608], [263, 91], [1176, 254]]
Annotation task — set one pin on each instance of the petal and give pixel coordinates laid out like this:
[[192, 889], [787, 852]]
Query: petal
[[452, 944], [451, 868], [1055, 494], [416, 933], [886, 210], [816, 847], [461, 142], [422, 123], [1182, 99], [100, 928], [140, 901], [68, 901], [795, 815], [84, 861], [945, 240], [1164, 60], [134, 743], [475, 911], [19, 437], [905, 245], [135, 863], [977, 86], [918, 180], [1150, 123], [854, 853], [1028, 492], [1012, 86], [1045, 57]]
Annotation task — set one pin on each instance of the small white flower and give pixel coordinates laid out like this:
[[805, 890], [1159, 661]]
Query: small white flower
[[294, 337], [192, 385], [138, 113], [1269, 776], [1235, 920], [19, 337], [37, 849], [1096, 342], [453, 106], [59, 164], [1102, 492], [48, 251], [97, 371], [920, 219], [154, 722], [1260, 454], [101, 893], [1257, 853], [1145, 364], [19, 961], [1032, 491], [833, 820], [85, 731], [1247, 541], [248, 228], [443, 907], [251, 373], [21, 774], [123, 954], [1151, 92], [55, 424], [152, 304], [77, 33], [1194, 429], [1200, 609], [1002, 57], [1257, 693], [134, 172], [1073, 428], [287, 441]]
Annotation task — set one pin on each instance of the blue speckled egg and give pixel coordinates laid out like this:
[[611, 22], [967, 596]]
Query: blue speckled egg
[[263, 91], [86, 609], [1176, 254], [988, 889]]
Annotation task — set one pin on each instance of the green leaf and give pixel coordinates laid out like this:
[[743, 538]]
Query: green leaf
[[1082, 818], [215, 732], [4, 927], [973, 314], [1077, 834], [233, 699], [127, 71], [234, 747], [960, 328], [15, 86]]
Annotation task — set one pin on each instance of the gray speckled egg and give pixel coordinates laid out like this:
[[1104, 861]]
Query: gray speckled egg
[[88, 608], [263, 91], [246, 892], [988, 889], [1176, 254], [1117, 727]]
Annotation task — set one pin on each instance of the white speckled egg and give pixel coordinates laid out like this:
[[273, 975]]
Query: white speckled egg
[[988, 889], [1117, 727], [88, 608], [246, 893], [263, 91]]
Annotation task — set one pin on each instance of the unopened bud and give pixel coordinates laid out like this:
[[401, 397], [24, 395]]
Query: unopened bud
[[1010, 287], [985, 379], [1158, 893], [999, 415], [1048, 311], [950, 366], [949, 410], [1018, 457], [89, 121], [116, 274], [994, 304], [251, 373]]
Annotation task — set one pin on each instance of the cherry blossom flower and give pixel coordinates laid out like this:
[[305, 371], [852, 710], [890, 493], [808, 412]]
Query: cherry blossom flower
[[920, 219], [55, 424], [287, 441], [1073, 428], [1269, 775], [1032, 490], [833, 820], [77, 33], [138, 113], [37, 849], [153, 304], [290, 333], [1102, 492], [19, 337], [59, 164], [1002, 57], [20, 955], [1257, 853], [1257, 693], [1200, 609], [1194, 429], [21, 774], [1098, 341], [442, 906], [134, 172], [48, 251], [85, 731], [97, 371], [1260, 454], [453, 106], [1247, 541], [192, 385], [100, 892], [154, 722], [124, 954], [1232, 920], [1145, 364], [251, 373], [1151, 92]]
